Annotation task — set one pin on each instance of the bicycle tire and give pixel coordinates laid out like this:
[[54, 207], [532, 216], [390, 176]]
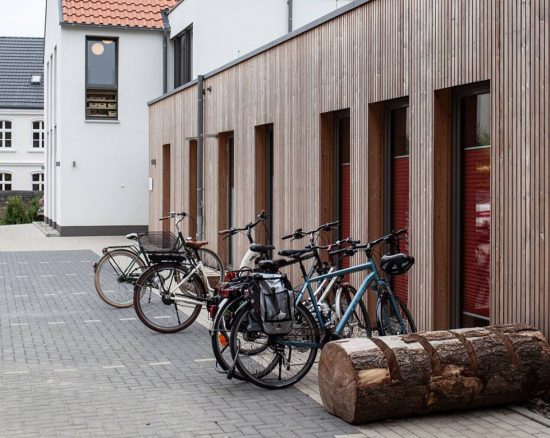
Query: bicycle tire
[[213, 264], [264, 378], [221, 333], [156, 277], [360, 317], [387, 322], [107, 262]]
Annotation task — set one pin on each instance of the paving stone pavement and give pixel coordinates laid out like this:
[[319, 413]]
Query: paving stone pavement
[[71, 366]]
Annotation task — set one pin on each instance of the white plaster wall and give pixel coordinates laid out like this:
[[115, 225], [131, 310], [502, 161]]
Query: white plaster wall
[[103, 172], [52, 53], [21, 159], [305, 11], [223, 30]]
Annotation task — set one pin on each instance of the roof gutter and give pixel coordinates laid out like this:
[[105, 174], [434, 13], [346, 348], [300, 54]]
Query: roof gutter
[[165, 37], [200, 157], [290, 9], [109, 26]]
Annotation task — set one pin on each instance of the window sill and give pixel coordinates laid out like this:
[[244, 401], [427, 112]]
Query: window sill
[[7, 150], [101, 121], [36, 151]]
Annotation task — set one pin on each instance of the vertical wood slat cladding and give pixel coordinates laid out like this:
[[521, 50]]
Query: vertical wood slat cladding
[[382, 50]]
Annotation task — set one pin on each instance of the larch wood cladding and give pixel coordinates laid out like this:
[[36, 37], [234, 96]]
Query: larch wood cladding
[[381, 50]]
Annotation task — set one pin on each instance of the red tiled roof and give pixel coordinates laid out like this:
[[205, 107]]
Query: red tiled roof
[[130, 13]]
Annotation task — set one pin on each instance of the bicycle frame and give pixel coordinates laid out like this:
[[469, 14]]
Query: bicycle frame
[[307, 287]]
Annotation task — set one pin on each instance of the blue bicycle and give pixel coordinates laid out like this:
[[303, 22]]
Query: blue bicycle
[[276, 361]]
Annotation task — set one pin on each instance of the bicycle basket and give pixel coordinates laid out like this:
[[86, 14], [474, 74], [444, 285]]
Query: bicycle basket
[[273, 302], [159, 242], [396, 264]]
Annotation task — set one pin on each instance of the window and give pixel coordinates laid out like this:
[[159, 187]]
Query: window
[[183, 57], [397, 180], [472, 204], [5, 134], [37, 182], [38, 134], [101, 78], [5, 181]]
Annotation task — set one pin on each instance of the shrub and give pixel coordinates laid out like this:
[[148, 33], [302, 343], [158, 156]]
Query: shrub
[[34, 206], [15, 213]]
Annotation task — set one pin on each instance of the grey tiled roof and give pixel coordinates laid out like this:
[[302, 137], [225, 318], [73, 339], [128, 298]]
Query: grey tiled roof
[[20, 58]]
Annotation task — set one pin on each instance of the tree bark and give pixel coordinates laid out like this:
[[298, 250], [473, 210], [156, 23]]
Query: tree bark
[[363, 380]]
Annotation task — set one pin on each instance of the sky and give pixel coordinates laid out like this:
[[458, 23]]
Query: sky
[[22, 17]]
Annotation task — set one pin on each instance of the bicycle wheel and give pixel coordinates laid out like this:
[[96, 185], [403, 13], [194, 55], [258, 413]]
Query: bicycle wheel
[[392, 316], [358, 325], [213, 265], [115, 276], [221, 332], [165, 304], [264, 360]]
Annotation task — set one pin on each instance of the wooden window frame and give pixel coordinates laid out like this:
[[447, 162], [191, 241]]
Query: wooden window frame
[[457, 179]]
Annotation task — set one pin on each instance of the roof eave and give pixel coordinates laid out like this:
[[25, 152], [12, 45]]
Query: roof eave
[[109, 26]]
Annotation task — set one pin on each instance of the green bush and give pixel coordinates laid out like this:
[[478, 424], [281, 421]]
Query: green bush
[[15, 213], [34, 206]]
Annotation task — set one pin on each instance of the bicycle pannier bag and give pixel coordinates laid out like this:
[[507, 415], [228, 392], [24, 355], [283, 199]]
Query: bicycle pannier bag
[[273, 302]]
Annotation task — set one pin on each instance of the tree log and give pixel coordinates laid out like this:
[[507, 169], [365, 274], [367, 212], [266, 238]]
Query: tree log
[[363, 380]]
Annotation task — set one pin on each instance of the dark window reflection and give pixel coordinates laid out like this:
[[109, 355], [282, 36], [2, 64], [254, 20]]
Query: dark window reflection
[[101, 68], [476, 208]]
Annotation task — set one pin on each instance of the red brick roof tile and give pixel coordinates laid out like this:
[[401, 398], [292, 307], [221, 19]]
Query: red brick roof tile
[[130, 13]]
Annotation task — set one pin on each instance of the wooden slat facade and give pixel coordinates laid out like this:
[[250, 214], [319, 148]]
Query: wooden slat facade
[[381, 50]]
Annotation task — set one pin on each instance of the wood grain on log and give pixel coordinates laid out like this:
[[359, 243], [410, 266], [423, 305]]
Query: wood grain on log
[[363, 380]]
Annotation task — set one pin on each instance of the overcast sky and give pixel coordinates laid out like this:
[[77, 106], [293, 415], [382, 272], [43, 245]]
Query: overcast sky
[[22, 17]]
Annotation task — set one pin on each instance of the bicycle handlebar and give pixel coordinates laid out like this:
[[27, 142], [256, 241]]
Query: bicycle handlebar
[[300, 233], [173, 214], [262, 216]]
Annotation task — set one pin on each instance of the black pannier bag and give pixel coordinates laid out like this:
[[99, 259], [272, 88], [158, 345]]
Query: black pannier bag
[[272, 300]]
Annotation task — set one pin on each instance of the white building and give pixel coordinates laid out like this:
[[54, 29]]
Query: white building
[[103, 62], [21, 114], [206, 34]]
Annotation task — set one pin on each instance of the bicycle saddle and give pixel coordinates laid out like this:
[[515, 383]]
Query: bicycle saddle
[[396, 264], [196, 244], [294, 252], [272, 265], [132, 236], [263, 249]]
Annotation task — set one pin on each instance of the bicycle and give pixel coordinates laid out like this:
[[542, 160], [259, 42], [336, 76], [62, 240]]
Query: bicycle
[[169, 295], [117, 271], [333, 297], [223, 311], [276, 357]]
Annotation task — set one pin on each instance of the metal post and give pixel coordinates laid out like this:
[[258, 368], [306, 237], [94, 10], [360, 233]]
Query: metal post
[[200, 156]]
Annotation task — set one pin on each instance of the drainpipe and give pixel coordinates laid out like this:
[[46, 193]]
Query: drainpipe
[[200, 156], [290, 8], [165, 37]]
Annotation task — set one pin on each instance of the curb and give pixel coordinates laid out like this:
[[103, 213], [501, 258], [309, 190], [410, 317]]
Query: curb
[[46, 230]]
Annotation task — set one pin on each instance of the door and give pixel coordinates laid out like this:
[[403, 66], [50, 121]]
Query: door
[[166, 186]]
